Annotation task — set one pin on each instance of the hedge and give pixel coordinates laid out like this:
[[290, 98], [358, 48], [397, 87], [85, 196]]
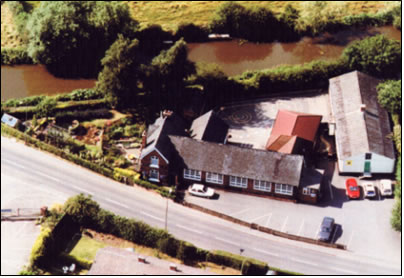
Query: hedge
[[80, 94], [15, 56], [80, 115], [126, 173], [41, 247]]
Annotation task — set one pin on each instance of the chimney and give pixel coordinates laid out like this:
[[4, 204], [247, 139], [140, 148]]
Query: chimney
[[141, 259], [363, 107], [144, 139], [173, 267]]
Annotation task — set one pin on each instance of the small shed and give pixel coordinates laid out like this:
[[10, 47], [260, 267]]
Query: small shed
[[10, 120]]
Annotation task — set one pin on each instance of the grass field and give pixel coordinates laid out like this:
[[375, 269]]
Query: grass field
[[170, 14]]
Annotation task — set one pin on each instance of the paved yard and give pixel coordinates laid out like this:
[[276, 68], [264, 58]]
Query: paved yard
[[362, 225], [251, 123]]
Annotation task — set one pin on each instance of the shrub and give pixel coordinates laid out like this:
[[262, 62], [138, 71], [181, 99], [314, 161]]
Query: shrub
[[389, 95], [80, 94], [127, 173], [15, 56], [168, 245], [46, 107], [187, 252], [81, 208], [28, 101]]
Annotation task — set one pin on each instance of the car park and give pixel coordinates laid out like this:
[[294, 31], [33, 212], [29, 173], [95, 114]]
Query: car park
[[201, 190], [369, 189], [352, 189], [385, 187], [326, 229]]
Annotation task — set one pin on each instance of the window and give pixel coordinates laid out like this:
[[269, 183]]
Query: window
[[368, 156], [238, 182], [305, 191], [192, 174], [284, 189], [154, 161], [214, 178], [262, 185], [154, 175]]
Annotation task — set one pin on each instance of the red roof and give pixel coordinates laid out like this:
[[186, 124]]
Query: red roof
[[291, 124]]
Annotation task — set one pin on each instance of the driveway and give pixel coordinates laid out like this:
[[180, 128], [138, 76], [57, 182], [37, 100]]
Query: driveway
[[362, 225]]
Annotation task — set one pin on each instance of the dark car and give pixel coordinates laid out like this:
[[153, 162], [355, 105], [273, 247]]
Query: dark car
[[327, 226]]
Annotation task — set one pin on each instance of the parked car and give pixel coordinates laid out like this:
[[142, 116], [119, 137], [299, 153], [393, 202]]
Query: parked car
[[369, 189], [385, 188], [352, 189], [326, 229], [201, 190]]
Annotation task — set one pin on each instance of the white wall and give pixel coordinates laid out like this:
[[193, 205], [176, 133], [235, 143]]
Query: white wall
[[356, 164]]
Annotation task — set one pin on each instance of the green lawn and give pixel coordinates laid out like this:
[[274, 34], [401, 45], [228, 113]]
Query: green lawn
[[86, 248]]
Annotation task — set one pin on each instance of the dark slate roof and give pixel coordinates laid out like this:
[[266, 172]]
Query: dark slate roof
[[158, 132], [209, 127], [356, 131], [232, 160]]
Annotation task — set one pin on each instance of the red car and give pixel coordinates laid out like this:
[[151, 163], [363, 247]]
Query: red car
[[352, 189]]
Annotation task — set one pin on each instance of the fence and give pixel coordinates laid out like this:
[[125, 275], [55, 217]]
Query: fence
[[22, 213]]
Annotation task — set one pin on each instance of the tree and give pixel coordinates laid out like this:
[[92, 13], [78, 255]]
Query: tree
[[81, 208], [167, 74], [46, 107], [375, 55], [389, 95], [71, 37], [118, 81]]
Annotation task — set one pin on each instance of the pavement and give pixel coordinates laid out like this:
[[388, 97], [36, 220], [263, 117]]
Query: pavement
[[362, 225], [250, 123]]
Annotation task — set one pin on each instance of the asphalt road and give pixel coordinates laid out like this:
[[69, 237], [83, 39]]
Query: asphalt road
[[46, 172]]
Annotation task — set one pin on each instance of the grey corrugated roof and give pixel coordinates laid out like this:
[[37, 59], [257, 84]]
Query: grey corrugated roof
[[209, 127], [232, 160], [356, 131], [158, 132]]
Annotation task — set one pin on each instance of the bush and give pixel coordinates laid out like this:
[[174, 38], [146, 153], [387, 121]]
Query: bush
[[191, 32], [127, 173], [28, 101], [389, 95], [20, 16], [376, 55], [81, 208], [15, 56]]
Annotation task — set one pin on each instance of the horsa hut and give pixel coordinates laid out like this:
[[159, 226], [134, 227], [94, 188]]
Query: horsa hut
[[362, 125]]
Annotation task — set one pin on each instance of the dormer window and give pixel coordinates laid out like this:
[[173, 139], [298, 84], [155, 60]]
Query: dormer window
[[154, 162]]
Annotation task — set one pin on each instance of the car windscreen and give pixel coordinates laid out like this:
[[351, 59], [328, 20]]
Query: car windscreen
[[353, 188]]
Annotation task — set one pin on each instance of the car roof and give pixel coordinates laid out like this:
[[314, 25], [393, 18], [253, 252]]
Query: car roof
[[328, 219], [197, 186]]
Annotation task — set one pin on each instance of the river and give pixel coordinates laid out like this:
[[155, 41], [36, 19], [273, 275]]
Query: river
[[234, 58]]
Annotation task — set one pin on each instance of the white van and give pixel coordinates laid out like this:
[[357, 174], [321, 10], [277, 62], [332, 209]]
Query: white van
[[385, 188]]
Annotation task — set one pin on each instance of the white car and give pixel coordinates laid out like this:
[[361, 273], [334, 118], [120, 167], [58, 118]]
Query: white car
[[369, 189], [201, 190], [385, 188]]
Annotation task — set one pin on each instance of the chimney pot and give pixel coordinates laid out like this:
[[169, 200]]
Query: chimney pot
[[363, 107]]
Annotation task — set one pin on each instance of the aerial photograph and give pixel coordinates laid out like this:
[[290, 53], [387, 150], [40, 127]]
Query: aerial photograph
[[201, 138]]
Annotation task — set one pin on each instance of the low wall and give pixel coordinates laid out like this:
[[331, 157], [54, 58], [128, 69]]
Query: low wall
[[264, 229]]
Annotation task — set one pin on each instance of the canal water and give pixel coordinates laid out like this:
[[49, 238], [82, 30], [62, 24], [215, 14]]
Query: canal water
[[234, 58]]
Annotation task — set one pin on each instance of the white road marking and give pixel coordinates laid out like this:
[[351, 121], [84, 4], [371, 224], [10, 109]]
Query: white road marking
[[83, 190], [152, 216], [12, 162], [329, 185], [38, 173], [227, 241], [303, 262], [350, 239], [49, 177], [266, 252], [117, 203], [252, 220], [269, 219], [284, 224], [343, 270], [188, 229], [301, 227], [333, 236], [239, 212]]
